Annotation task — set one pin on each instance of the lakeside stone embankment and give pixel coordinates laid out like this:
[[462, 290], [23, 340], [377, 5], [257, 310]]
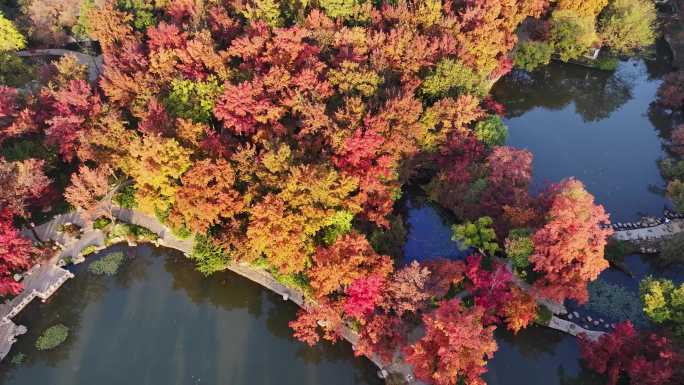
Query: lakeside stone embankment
[[42, 281]]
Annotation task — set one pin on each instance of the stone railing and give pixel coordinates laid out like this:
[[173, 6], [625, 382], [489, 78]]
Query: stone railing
[[573, 329]]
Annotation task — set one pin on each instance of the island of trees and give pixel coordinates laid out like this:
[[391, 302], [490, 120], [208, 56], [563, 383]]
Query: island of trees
[[281, 134]]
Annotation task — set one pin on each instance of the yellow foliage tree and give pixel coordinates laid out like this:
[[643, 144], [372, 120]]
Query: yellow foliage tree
[[582, 7], [156, 164]]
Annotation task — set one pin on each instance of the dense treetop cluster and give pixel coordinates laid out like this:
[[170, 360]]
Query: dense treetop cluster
[[281, 134], [575, 27]]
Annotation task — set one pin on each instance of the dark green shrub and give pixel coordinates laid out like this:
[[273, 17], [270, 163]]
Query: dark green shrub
[[142, 10], [672, 250], [390, 241], [142, 233], [125, 197], [101, 222], [617, 250], [208, 256], [18, 359], [672, 169], [532, 54], [543, 315]]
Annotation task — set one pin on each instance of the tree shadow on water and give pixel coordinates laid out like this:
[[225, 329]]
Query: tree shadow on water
[[596, 94], [533, 341], [225, 290]]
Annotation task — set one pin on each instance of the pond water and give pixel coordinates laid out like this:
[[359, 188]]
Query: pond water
[[159, 322], [429, 232], [593, 125]]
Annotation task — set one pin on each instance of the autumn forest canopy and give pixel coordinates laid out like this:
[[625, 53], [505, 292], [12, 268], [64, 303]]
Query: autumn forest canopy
[[281, 134]]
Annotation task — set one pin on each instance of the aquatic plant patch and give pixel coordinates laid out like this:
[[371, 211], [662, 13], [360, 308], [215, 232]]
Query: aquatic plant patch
[[616, 302], [107, 265], [52, 337]]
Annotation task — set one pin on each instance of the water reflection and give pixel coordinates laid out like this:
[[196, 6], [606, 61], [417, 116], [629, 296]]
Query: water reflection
[[639, 267], [595, 94], [535, 356], [160, 322], [593, 125], [429, 231]]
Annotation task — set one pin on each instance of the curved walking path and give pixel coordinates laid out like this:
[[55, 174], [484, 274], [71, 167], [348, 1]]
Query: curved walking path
[[45, 280], [72, 247]]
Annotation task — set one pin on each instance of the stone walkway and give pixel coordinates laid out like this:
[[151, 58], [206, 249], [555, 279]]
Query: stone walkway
[[654, 233], [94, 63], [41, 281], [49, 277], [573, 329]]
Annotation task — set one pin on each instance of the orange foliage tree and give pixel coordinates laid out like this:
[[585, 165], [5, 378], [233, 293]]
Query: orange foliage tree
[[207, 196], [348, 259], [87, 187], [568, 249]]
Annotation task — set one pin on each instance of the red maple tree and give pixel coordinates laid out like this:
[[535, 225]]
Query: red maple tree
[[15, 255], [647, 358], [455, 346], [363, 295]]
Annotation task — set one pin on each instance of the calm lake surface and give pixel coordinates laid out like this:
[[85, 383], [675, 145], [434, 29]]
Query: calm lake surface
[[159, 322], [594, 125]]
